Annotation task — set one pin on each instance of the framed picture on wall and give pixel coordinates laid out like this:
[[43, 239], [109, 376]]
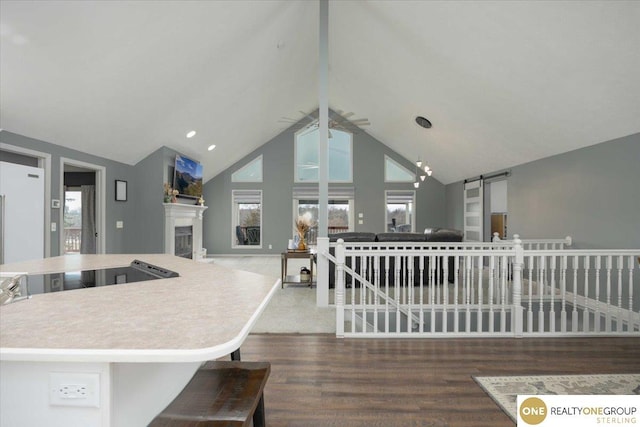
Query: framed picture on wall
[[121, 191]]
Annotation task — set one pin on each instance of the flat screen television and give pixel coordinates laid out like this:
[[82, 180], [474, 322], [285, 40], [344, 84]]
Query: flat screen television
[[187, 177]]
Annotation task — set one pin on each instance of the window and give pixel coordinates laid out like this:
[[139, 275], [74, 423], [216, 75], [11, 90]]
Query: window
[[340, 209], [251, 172], [395, 172], [72, 221], [247, 218], [340, 156], [400, 210]]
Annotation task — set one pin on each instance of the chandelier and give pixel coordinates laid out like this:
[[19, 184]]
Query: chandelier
[[422, 172]]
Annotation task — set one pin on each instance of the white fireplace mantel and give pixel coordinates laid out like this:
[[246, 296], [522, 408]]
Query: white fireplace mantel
[[180, 215]]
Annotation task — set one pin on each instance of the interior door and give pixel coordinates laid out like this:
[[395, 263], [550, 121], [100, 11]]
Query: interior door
[[473, 210]]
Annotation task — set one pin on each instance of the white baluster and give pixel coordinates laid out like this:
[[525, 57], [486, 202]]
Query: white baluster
[[585, 314], [422, 276], [598, 314], [340, 289], [492, 266], [541, 285], [397, 291], [516, 311], [620, 265], [563, 294], [530, 309], [630, 327], [503, 293], [608, 302], [465, 294], [480, 293], [574, 313], [552, 292], [376, 297], [387, 260], [456, 297], [432, 291]]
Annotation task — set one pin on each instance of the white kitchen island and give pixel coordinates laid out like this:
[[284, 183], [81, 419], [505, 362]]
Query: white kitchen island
[[142, 340]]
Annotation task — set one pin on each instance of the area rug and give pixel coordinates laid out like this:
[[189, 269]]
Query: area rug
[[504, 390]]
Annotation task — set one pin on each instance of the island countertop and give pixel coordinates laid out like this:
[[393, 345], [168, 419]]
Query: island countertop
[[205, 313]]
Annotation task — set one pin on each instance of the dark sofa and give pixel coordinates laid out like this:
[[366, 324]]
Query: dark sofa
[[347, 237], [431, 235]]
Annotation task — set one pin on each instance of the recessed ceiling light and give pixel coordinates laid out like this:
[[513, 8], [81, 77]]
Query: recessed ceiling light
[[191, 134], [211, 147], [423, 121]]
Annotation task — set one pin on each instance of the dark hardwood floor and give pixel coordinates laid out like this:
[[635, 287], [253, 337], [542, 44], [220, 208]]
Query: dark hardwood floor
[[319, 380]]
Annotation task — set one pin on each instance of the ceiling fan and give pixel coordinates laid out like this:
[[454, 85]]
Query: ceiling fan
[[337, 120]]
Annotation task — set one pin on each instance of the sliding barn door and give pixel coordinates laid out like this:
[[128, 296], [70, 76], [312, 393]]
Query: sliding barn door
[[473, 211]]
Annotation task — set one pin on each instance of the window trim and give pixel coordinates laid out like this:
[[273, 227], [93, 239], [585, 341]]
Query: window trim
[[234, 216]]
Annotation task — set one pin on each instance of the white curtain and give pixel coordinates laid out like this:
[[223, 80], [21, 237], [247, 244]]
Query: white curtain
[[88, 240]]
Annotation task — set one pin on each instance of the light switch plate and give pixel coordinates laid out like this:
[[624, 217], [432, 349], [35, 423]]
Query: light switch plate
[[55, 203], [119, 224], [54, 226]]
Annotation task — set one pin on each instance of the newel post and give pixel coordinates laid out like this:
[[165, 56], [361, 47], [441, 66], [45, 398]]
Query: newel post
[[517, 311], [340, 289], [568, 241], [322, 277]]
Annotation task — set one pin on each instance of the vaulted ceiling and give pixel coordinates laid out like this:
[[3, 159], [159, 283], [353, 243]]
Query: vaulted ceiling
[[503, 83]]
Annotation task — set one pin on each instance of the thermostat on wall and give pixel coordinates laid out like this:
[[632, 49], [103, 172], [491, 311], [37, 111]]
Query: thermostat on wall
[[55, 203]]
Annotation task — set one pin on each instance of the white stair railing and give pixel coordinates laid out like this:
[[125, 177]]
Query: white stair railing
[[403, 289], [585, 292], [501, 289], [534, 244]]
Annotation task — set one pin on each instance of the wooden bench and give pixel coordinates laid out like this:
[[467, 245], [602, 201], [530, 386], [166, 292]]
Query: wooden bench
[[221, 393]]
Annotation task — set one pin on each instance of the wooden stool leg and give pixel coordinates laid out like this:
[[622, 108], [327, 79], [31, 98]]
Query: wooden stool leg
[[258, 415], [235, 355]]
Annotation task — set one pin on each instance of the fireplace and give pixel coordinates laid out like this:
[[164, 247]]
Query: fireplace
[[184, 241], [183, 230]]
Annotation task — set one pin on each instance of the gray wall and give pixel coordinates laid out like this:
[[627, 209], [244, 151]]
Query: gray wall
[[455, 205], [150, 175], [277, 187], [591, 194], [117, 240]]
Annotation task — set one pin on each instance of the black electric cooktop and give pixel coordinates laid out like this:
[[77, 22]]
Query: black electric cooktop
[[137, 271]]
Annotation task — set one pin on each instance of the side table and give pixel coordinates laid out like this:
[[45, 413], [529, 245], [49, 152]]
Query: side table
[[285, 256]]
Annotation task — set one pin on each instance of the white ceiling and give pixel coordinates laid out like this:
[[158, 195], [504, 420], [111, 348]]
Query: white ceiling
[[504, 83]]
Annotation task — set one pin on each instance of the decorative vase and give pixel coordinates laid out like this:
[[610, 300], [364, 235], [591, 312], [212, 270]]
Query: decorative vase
[[302, 244], [167, 199], [174, 199]]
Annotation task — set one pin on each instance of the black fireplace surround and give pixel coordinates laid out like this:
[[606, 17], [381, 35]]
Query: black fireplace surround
[[184, 241]]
